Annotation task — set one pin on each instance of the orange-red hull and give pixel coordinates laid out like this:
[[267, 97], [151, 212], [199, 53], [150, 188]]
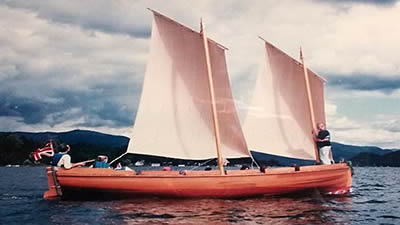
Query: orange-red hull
[[328, 179]]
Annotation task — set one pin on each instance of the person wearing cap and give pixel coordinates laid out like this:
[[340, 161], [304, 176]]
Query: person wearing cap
[[101, 162]]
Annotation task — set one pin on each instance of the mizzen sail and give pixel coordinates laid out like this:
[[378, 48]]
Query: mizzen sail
[[278, 120], [174, 117]]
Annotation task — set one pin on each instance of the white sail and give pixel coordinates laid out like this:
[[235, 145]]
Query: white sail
[[174, 118], [318, 96], [278, 120]]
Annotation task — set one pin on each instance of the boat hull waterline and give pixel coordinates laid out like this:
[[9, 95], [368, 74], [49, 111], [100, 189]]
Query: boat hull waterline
[[328, 179]]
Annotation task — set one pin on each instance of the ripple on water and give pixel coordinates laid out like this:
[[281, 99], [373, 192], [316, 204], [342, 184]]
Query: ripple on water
[[373, 201], [372, 185], [148, 215]]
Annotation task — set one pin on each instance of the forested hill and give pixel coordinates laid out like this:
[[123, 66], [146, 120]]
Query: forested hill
[[77, 136], [15, 148]]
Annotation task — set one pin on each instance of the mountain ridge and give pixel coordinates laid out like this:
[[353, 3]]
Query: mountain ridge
[[87, 143]]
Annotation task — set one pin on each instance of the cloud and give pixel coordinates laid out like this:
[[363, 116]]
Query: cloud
[[120, 17], [358, 43], [80, 64], [102, 105], [389, 123], [336, 121], [47, 69], [372, 2], [361, 41], [368, 136], [16, 124], [386, 85], [383, 131]]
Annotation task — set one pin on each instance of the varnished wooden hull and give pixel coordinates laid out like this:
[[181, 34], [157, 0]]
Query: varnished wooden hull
[[328, 179]]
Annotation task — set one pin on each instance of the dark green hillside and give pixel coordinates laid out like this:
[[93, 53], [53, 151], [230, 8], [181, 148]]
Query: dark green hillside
[[366, 159], [15, 149], [371, 159], [390, 159], [78, 136], [349, 151], [16, 146]]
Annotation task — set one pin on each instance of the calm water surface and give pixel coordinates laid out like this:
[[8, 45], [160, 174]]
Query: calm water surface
[[375, 200]]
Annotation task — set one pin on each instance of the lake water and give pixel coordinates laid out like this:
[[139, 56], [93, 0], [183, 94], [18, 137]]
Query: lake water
[[375, 200]]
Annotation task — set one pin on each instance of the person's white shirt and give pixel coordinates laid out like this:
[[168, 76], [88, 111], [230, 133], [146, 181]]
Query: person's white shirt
[[65, 161]]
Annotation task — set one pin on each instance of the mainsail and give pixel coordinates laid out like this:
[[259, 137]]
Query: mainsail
[[174, 117], [278, 121]]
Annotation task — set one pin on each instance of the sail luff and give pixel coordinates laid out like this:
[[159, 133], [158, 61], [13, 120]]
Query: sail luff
[[212, 99], [310, 103]]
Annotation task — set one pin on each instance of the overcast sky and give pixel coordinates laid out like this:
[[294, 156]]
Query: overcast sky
[[80, 64]]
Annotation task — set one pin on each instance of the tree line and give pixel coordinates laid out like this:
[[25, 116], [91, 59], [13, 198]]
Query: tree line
[[15, 149]]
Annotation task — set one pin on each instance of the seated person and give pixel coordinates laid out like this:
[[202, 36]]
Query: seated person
[[244, 167], [62, 159], [101, 162], [123, 165], [207, 168]]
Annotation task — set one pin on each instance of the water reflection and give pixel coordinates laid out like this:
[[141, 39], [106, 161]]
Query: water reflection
[[375, 200], [268, 210]]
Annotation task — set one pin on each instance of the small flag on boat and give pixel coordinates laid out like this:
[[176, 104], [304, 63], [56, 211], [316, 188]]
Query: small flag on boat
[[47, 150]]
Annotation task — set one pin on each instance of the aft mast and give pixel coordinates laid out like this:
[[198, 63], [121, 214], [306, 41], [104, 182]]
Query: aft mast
[[212, 99], [310, 103]]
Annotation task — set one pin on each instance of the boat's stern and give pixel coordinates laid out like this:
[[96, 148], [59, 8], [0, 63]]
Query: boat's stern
[[54, 189]]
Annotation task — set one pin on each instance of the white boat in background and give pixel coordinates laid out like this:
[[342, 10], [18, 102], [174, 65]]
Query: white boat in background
[[9, 165], [139, 163]]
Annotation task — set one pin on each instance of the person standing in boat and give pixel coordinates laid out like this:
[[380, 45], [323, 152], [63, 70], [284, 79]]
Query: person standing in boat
[[323, 140]]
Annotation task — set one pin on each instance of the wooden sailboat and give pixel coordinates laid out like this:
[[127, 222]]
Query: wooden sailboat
[[187, 111]]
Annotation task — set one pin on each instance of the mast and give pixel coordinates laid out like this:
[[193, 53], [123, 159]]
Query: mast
[[212, 98], [310, 103]]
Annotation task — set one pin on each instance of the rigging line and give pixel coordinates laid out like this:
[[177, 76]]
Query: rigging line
[[201, 164], [253, 161], [118, 157]]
